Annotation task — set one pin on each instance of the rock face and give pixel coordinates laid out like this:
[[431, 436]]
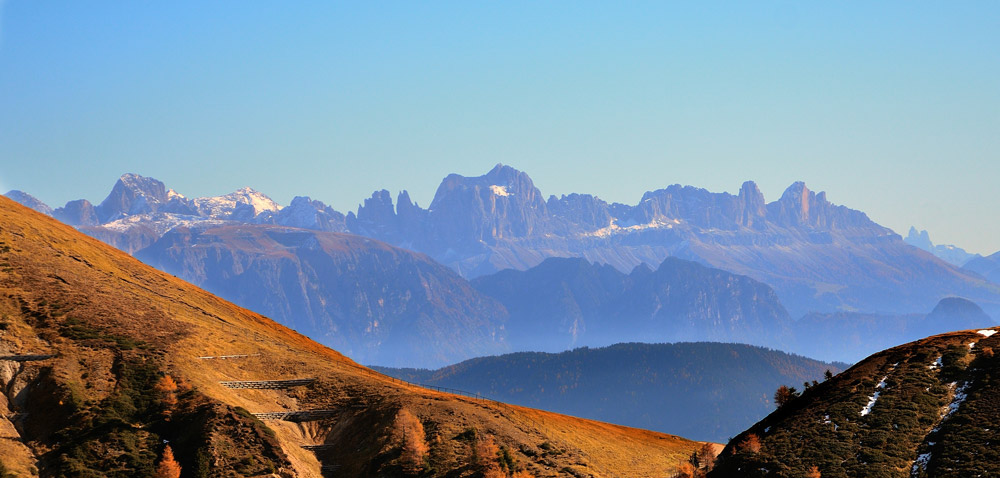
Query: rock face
[[926, 408], [563, 303], [375, 303]]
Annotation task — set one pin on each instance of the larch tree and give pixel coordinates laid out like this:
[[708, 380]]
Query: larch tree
[[168, 467], [413, 443]]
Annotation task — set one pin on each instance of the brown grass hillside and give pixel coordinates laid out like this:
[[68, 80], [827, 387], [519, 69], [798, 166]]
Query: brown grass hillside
[[117, 329]]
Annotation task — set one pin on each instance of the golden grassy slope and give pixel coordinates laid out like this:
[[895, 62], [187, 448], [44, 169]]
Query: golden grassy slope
[[49, 270]]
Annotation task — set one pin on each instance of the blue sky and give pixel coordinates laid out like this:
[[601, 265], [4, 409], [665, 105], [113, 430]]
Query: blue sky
[[891, 107]]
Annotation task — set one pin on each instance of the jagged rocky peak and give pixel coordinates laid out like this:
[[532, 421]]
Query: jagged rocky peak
[[410, 215], [503, 203], [132, 194], [697, 206], [585, 210], [253, 203], [77, 213], [377, 209], [798, 199], [753, 207], [501, 181], [801, 207], [920, 239], [28, 200]]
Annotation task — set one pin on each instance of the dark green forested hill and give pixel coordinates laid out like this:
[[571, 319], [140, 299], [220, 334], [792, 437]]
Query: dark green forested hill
[[705, 391], [930, 408]]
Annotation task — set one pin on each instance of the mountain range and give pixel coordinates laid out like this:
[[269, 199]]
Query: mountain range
[[370, 282], [818, 256]]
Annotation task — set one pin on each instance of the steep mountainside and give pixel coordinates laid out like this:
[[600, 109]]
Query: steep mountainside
[[106, 358], [708, 391], [851, 336], [570, 302], [375, 303], [926, 408]]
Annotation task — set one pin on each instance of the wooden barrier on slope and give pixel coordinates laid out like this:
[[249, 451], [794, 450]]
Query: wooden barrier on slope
[[267, 384], [25, 358]]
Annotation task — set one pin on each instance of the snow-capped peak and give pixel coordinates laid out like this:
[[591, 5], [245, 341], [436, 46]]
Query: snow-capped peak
[[223, 206]]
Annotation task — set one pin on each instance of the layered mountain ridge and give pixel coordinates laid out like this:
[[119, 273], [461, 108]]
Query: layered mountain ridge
[[707, 391], [568, 302]]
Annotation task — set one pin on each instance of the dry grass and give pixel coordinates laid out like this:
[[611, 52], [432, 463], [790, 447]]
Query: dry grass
[[48, 269]]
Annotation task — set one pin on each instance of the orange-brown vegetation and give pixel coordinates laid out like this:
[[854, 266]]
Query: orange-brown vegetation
[[168, 467], [783, 395], [167, 388], [115, 325], [814, 472], [413, 442], [486, 452], [750, 444]]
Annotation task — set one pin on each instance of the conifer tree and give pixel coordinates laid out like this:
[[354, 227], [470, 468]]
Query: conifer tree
[[168, 467]]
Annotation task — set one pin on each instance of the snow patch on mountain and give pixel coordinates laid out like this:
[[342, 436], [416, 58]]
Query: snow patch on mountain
[[499, 190], [874, 398], [920, 464], [614, 228], [956, 402], [161, 222], [986, 332], [223, 206]]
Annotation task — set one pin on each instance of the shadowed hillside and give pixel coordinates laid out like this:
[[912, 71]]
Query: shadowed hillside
[[929, 408], [708, 391]]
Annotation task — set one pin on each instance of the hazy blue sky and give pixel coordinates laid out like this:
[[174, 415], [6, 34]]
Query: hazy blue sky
[[891, 107]]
